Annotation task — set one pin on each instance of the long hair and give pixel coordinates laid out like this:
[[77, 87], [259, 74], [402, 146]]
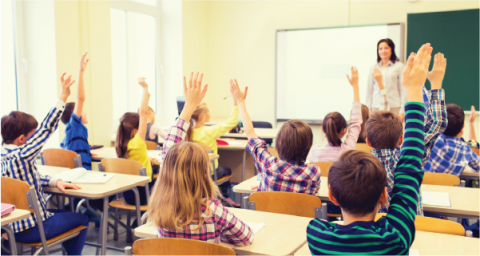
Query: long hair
[[363, 131], [201, 109], [128, 123], [183, 187], [333, 125], [393, 57]]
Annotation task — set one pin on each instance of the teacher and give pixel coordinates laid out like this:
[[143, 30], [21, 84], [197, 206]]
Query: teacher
[[386, 74]]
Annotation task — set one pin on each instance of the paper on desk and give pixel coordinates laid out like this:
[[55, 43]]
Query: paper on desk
[[436, 199], [414, 252], [255, 226]]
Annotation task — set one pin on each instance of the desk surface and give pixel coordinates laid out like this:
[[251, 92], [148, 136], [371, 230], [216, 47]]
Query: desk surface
[[465, 201], [117, 184], [282, 234], [264, 133], [16, 215], [109, 152]]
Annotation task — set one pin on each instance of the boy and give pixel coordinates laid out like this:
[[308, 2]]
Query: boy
[[384, 129], [357, 183], [289, 173], [451, 154], [22, 142], [76, 134], [153, 131]]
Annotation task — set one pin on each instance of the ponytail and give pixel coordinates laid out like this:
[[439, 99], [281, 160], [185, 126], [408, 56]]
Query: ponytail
[[128, 123], [333, 124], [201, 108]]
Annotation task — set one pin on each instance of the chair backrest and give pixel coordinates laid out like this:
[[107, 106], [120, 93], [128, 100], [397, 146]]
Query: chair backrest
[[178, 246], [324, 167], [14, 192], [151, 145], [434, 225], [121, 166], [363, 147], [297, 204], [442, 179], [261, 124], [476, 150], [60, 158]]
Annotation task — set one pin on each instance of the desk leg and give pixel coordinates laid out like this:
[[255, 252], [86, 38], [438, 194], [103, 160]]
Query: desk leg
[[244, 159], [103, 228], [11, 239], [137, 206]]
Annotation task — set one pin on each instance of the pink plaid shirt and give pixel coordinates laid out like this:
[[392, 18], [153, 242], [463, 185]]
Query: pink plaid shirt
[[221, 224], [280, 175]]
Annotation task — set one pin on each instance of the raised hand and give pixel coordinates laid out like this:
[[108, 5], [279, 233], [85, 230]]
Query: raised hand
[[83, 62], [141, 81], [237, 94], [415, 72], [193, 92], [66, 83], [377, 75], [354, 80], [473, 115], [438, 71]]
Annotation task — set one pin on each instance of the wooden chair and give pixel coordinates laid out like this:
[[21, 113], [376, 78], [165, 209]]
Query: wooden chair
[[363, 147], [61, 158], [476, 150], [442, 179], [176, 246], [324, 167], [297, 204], [151, 145], [19, 193], [129, 167], [434, 225]]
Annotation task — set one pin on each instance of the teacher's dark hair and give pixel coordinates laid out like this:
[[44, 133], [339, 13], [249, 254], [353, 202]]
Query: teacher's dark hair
[[390, 43]]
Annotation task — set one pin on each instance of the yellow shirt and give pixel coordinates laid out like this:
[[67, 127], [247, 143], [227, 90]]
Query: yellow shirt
[[208, 135], [137, 150]]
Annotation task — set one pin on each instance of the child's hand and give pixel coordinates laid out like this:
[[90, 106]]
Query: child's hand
[[473, 115], [415, 72], [193, 92], [354, 80], [237, 94], [65, 87], [438, 71], [63, 186], [377, 75], [254, 187], [141, 81], [83, 62]]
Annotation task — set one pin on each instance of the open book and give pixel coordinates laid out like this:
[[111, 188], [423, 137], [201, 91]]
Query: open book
[[81, 175]]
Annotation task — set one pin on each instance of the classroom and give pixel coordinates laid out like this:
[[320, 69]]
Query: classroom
[[224, 127]]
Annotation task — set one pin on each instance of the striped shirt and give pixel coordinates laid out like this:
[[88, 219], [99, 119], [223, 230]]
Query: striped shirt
[[222, 224], [329, 153], [279, 175], [76, 139], [394, 233], [18, 162], [435, 125]]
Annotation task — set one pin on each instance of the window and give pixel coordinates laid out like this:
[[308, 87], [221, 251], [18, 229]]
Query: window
[[134, 55], [9, 80]]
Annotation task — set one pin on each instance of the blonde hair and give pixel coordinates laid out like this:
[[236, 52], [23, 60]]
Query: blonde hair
[[183, 187], [201, 109]]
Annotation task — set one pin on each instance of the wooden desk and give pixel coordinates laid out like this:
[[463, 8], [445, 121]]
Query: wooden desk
[[109, 152], [117, 184], [264, 133], [16, 215], [282, 234], [465, 201], [469, 174]]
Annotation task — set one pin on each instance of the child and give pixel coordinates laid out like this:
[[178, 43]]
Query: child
[[208, 135], [153, 130], [289, 172], [22, 143], [130, 142], [384, 129], [185, 201], [451, 154], [363, 132], [357, 183], [334, 126], [76, 134]]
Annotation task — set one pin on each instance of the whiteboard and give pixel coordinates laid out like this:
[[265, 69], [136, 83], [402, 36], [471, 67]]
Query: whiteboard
[[312, 65]]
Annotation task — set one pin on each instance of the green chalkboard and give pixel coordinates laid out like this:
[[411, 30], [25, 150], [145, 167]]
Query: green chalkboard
[[455, 34]]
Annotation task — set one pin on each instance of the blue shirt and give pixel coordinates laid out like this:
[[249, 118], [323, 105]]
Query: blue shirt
[[452, 155], [76, 139]]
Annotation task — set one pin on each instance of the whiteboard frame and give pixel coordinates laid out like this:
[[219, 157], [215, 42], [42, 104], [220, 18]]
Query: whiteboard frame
[[401, 56]]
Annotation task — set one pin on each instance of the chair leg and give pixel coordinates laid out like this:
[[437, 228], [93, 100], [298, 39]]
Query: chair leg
[[115, 234], [32, 250], [129, 228]]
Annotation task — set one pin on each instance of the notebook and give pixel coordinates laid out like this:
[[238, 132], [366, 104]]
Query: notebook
[[81, 175], [436, 199], [7, 209]]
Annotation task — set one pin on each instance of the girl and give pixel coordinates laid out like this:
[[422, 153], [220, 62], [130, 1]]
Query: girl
[[334, 126], [208, 135], [185, 201], [363, 131], [130, 142]]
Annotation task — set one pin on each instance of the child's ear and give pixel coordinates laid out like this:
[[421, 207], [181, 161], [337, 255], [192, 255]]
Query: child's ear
[[400, 141], [384, 197], [330, 195]]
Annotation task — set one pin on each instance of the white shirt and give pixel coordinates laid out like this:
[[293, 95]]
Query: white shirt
[[392, 79], [157, 130]]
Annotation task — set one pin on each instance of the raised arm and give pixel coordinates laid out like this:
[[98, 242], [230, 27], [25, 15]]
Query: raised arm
[[81, 90], [354, 83], [471, 122], [218, 130], [142, 126], [356, 116], [377, 75], [240, 99]]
